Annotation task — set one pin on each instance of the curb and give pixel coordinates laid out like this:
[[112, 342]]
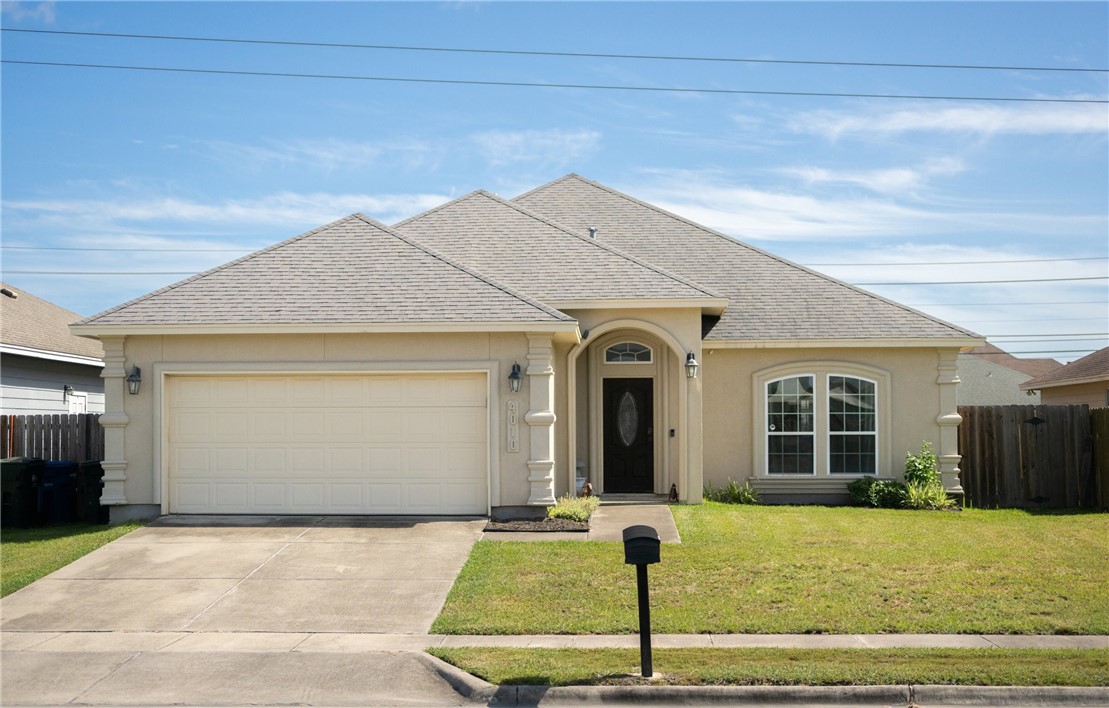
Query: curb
[[1011, 695]]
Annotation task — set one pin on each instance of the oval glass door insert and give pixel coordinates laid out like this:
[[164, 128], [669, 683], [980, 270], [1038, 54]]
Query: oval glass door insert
[[627, 418]]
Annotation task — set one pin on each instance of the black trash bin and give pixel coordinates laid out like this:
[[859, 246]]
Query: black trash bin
[[19, 477], [90, 484], [58, 492]]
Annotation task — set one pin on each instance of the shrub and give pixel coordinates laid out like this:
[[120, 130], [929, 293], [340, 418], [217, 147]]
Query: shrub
[[922, 468], [732, 493], [573, 508], [887, 494], [929, 495], [860, 490]]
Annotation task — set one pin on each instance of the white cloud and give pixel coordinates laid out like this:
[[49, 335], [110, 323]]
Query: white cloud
[[282, 209], [20, 11], [326, 155], [977, 120], [898, 179], [537, 147]]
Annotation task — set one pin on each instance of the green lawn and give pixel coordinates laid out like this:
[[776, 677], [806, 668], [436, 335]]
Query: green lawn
[[28, 554], [764, 569], [783, 667]]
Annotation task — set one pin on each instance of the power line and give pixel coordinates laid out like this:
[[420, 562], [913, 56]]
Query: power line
[[99, 272], [991, 282], [128, 250], [1070, 334], [1053, 319], [940, 263], [1057, 351], [533, 84], [1051, 341], [520, 52], [1004, 304]]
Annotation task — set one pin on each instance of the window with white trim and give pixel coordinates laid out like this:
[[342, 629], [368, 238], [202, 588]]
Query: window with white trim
[[628, 353], [823, 423]]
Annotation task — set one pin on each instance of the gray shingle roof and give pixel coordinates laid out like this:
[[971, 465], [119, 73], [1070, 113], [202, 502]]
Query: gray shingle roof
[[769, 297], [31, 322], [985, 383], [354, 270], [531, 253], [1090, 367]]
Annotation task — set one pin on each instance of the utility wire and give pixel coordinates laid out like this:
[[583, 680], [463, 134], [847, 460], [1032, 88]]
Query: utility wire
[[1071, 334], [990, 282], [1004, 304], [939, 263], [519, 52], [533, 84]]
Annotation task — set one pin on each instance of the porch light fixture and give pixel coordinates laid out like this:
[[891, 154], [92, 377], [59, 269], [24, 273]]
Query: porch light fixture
[[66, 390], [691, 366], [514, 379], [133, 380]]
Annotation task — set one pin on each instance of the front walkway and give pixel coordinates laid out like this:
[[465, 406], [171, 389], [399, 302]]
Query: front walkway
[[607, 524]]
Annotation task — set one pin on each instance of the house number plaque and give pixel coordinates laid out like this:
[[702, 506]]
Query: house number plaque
[[513, 422]]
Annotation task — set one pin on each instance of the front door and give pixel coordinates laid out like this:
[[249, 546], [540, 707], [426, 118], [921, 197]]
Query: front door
[[629, 451]]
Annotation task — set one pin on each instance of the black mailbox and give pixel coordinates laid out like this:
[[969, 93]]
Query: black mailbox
[[641, 544]]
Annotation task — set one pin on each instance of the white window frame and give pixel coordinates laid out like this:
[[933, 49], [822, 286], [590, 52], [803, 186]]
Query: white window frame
[[822, 371], [650, 353], [767, 433], [828, 432]]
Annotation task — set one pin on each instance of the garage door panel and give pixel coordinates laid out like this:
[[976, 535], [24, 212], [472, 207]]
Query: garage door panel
[[343, 444]]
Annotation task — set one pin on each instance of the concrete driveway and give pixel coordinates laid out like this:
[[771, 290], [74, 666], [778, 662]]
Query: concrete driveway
[[237, 610], [251, 574]]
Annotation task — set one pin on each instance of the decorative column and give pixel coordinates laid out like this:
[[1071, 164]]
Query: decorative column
[[541, 419], [948, 420], [694, 435], [114, 420]]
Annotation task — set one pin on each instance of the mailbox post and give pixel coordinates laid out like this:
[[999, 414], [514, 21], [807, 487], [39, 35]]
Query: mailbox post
[[641, 548]]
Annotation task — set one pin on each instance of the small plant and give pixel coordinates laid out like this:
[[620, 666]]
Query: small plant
[[733, 493], [573, 508], [860, 490], [887, 494], [927, 496], [922, 468]]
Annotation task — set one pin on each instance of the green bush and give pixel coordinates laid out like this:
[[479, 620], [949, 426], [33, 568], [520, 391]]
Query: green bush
[[732, 493], [860, 490], [573, 508], [922, 468], [887, 494], [929, 495]]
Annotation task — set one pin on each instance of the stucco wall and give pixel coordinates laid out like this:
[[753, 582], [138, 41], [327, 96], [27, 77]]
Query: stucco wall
[[729, 402], [1094, 395], [325, 352]]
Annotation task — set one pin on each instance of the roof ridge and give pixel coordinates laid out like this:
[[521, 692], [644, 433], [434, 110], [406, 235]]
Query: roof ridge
[[744, 244], [464, 268], [210, 271], [1062, 376], [709, 292], [442, 206]]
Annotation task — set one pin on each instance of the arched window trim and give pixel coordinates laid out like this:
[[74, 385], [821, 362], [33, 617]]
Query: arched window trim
[[642, 349]]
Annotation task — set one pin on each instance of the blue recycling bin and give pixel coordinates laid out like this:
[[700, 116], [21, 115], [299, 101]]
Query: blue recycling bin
[[57, 492]]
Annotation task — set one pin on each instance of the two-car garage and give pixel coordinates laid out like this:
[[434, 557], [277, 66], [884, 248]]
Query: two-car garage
[[327, 443]]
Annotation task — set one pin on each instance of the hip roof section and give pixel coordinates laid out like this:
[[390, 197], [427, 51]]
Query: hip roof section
[[770, 298], [354, 270], [536, 255], [33, 323]]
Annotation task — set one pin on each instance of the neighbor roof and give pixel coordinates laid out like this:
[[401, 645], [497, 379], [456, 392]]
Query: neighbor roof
[[1088, 369], [352, 271], [770, 298], [1030, 367], [35, 324], [531, 253], [983, 382]]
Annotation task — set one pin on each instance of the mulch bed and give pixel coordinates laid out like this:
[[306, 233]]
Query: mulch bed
[[536, 525]]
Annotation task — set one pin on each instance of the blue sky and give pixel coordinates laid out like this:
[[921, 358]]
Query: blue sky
[[191, 170]]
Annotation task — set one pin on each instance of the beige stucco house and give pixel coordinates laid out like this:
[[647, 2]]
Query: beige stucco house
[[1084, 381], [493, 354]]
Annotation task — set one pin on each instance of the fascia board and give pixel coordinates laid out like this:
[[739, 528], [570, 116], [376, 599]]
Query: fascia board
[[1068, 382], [49, 355], [91, 330], [708, 305], [963, 343]]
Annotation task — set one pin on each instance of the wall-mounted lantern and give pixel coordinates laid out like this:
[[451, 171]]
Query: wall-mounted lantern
[[66, 390], [133, 380], [514, 379], [691, 366]]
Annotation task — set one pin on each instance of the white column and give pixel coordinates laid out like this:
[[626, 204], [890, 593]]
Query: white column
[[695, 479], [114, 420], [947, 451], [541, 419]]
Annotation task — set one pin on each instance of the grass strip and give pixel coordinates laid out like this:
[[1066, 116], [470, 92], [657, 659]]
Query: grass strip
[[762, 569], [29, 554], [785, 667]]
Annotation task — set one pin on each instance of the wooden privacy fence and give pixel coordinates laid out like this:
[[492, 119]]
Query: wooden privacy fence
[[1032, 457], [77, 437]]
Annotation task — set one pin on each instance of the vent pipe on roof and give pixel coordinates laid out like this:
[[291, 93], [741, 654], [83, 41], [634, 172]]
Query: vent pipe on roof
[[593, 232], [13, 295]]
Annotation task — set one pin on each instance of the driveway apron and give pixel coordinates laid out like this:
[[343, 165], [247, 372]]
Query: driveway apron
[[254, 574]]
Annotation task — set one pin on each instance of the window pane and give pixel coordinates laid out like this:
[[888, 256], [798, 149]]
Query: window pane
[[628, 352], [852, 454], [851, 404], [790, 454]]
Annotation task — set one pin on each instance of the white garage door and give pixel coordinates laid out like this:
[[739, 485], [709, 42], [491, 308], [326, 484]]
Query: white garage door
[[328, 444]]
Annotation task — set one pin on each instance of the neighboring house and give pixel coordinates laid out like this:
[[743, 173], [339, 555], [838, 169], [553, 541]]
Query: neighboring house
[[1083, 381], [492, 354], [43, 367], [989, 376]]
